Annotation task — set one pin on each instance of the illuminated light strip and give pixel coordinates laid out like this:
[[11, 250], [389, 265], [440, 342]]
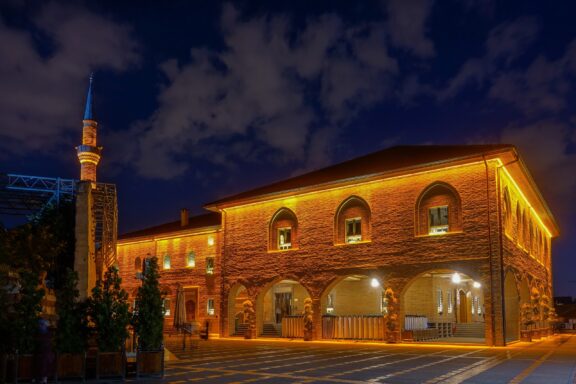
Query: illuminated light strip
[[524, 197], [240, 206], [121, 243]]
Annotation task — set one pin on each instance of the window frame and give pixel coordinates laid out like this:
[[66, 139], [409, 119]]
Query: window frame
[[210, 310], [286, 245], [210, 271], [191, 256], [442, 229], [357, 225]]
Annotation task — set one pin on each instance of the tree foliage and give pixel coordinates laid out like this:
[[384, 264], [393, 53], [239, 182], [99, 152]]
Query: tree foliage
[[27, 311], [72, 328], [108, 312], [149, 315]]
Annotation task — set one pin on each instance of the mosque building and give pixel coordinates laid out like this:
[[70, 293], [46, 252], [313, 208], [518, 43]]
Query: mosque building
[[460, 234]]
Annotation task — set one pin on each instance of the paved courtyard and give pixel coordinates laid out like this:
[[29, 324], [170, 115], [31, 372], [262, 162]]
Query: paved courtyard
[[548, 361]]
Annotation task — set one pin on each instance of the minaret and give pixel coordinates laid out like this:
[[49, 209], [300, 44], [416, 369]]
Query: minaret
[[88, 152]]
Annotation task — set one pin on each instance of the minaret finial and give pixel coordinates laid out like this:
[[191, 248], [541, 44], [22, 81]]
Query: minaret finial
[[89, 110], [89, 152]]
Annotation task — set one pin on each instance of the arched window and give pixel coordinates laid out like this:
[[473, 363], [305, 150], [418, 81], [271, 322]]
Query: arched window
[[138, 264], [518, 224], [507, 213], [283, 230], [352, 221], [167, 262], [531, 238], [438, 210], [191, 260], [525, 233]]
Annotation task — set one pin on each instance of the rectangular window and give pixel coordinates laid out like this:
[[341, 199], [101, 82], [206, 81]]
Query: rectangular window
[[166, 306], [210, 307], [191, 260], [353, 230], [440, 302], [438, 220], [209, 265], [167, 262], [449, 299], [285, 238]]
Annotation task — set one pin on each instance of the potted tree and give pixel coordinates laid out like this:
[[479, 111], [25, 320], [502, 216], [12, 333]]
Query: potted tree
[[535, 299], [71, 329], [148, 322], [526, 314], [308, 319], [545, 315], [250, 319], [109, 318], [27, 311], [391, 316]]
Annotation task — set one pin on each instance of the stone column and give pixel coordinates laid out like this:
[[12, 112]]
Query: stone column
[[84, 252]]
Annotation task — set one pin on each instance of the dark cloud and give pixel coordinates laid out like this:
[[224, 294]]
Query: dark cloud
[[544, 145], [291, 89], [505, 44], [37, 88], [407, 25]]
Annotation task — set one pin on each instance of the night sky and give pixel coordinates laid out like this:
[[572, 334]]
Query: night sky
[[200, 99]]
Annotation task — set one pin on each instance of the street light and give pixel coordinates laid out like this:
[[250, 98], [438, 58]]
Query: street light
[[374, 283], [456, 279]]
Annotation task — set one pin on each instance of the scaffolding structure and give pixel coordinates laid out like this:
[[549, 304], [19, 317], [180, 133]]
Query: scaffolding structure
[[30, 195], [105, 215]]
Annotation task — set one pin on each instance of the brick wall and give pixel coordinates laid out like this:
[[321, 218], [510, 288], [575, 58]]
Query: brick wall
[[395, 253], [178, 248]]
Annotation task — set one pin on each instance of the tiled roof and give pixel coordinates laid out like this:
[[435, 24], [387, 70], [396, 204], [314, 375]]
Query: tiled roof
[[200, 221], [387, 160]]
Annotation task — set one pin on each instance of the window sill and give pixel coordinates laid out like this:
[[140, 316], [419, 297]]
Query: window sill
[[441, 235], [352, 244], [282, 250]]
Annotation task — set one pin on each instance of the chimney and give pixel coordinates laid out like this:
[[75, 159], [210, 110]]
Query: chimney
[[184, 216]]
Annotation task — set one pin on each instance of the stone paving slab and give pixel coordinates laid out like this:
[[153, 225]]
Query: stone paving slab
[[549, 361]]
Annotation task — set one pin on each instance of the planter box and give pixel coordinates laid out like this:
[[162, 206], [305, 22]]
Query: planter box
[[393, 337], [526, 335], [110, 364], [150, 363], [71, 366]]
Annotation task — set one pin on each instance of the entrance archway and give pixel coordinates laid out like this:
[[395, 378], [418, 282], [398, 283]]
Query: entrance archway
[[280, 309], [237, 324], [443, 304], [511, 308], [352, 308]]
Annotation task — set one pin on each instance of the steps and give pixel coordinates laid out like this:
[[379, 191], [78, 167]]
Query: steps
[[241, 329], [475, 330], [270, 331]]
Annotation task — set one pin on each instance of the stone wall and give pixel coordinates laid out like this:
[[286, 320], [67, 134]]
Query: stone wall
[[395, 253], [178, 248]]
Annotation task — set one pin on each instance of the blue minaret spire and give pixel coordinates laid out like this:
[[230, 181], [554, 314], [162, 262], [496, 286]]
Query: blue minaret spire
[[88, 111]]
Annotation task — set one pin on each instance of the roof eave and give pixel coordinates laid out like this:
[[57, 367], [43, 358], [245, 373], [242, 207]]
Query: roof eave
[[222, 204]]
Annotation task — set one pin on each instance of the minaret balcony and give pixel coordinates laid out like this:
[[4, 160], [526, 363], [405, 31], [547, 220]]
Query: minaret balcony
[[89, 149]]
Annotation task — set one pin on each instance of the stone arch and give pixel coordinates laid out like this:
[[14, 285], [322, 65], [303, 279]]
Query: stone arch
[[278, 238], [438, 194], [352, 307], [346, 228], [438, 296], [511, 307], [279, 298], [237, 294]]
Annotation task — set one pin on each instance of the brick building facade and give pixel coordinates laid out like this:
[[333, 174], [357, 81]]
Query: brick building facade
[[459, 233]]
